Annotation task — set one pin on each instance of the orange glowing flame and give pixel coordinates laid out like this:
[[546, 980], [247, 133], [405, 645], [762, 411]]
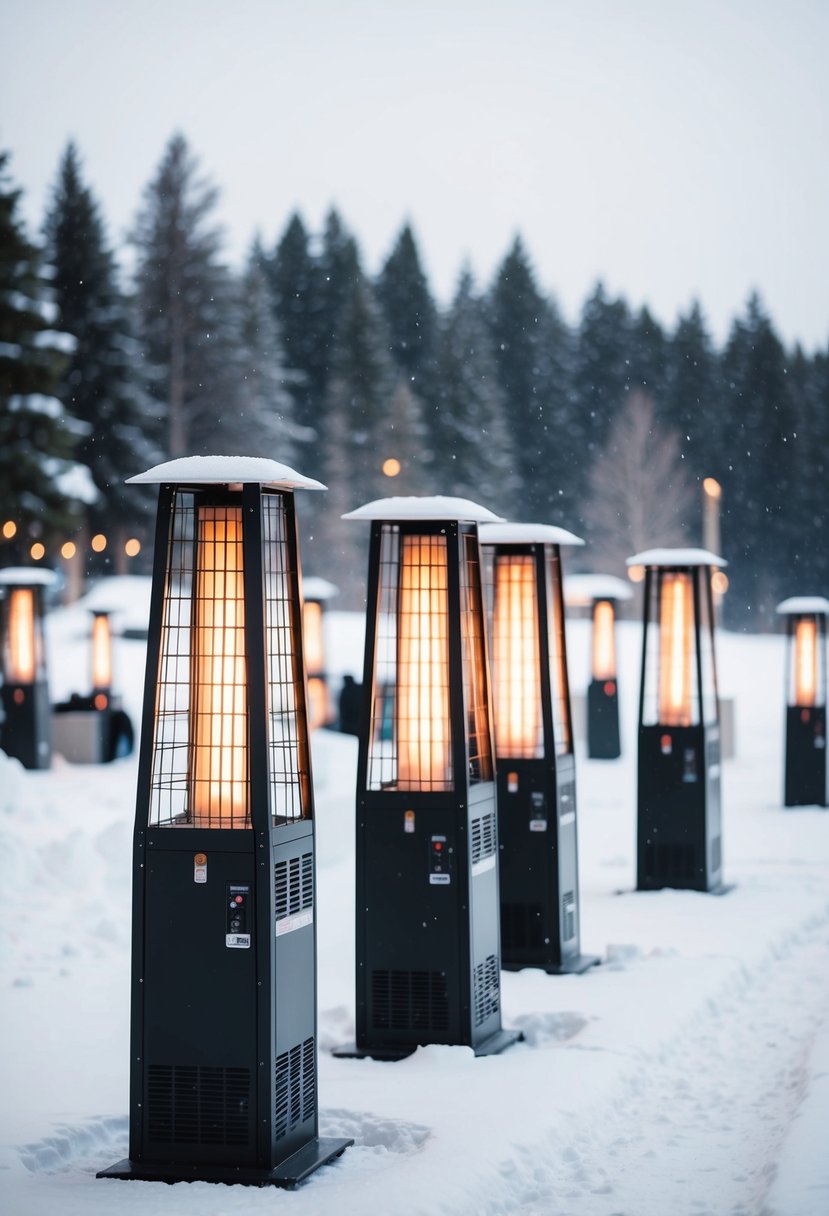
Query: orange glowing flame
[[515, 657], [312, 637], [317, 702], [101, 652], [805, 662], [423, 728], [675, 650], [21, 640], [219, 787], [604, 641]]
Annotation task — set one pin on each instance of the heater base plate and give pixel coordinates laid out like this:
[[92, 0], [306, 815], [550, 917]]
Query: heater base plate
[[290, 1173], [576, 965], [722, 888], [496, 1043]]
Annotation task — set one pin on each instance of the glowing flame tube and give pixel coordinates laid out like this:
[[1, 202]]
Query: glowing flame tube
[[21, 653], [101, 653], [676, 622], [515, 658], [805, 662], [604, 641], [312, 637], [423, 727], [219, 760]]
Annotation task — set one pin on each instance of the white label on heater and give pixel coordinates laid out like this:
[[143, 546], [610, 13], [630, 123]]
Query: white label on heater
[[237, 941], [568, 817], [440, 880], [298, 921], [481, 867], [200, 874], [538, 825], [714, 771]]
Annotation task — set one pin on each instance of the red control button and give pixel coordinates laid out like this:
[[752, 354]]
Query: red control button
[[239, 899]]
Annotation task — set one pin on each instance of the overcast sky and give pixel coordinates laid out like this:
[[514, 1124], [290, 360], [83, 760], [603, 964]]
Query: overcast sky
[[675, 148]]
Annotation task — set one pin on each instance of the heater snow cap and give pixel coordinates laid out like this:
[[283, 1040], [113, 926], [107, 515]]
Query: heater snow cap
[[226, 471]]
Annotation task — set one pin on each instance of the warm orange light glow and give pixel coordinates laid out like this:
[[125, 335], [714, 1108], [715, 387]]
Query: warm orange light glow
[[219, 788], [37, 551], [133, 547], [675, 650], [101, 651], [515, 658], [604, 641], [99, 542], [391, 467], [312, 637], [317, 702], [712, 487], [68, 550], [9, 529], [21, 661], [805, 662], [719, 582], [636, 573], [423, 729]]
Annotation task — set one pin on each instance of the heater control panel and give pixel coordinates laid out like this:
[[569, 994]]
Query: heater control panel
[[440, 861], [239, 908], [538, 811]]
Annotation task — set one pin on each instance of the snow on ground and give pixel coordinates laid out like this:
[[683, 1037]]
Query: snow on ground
[[686, 1076]]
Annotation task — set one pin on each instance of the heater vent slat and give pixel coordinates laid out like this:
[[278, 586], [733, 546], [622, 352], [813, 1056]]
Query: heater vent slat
[[568, 916], [295, 1087], [409, 1000], [484, 837], [293, 885], [522, 927], [675, 862], [487, 990], [193, 1104]]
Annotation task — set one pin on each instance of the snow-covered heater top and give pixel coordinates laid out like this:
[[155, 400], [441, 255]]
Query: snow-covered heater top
[[676, 557], [526, 534], [424, 507], [804, 605], [226, 471], [318, 589], [581, 589], [27, 576]]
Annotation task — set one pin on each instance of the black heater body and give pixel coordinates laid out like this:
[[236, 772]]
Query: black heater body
[[537, 817], [427, 944], [223, 1044], [603, 741], [805, 774], [679, 842], [26, 722]]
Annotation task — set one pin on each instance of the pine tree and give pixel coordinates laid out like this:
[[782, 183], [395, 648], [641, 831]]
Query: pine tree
[[602, 374], [473, 452], [100, 384], [185, 303], [296, 284], [692, 395], [409, 313], [41, 487]]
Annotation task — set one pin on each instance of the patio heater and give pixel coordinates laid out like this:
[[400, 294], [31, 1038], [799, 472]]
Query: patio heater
[[315, 593], [223, 1047], [26, 732], [536, 771], [428, 951], [805, 780], [679, 815], [85, 728], [601, 593]]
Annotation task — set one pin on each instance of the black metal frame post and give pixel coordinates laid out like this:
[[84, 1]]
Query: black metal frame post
[[223, 1039], [679, 838], [427, 933]]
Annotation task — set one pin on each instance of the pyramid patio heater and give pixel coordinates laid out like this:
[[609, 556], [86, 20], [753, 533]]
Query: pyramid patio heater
[[679, 814], [428, 952], [26, 733], [601, 593], [315, 594], [223, 1048], [84, 726], [805, 780], [536, 772]]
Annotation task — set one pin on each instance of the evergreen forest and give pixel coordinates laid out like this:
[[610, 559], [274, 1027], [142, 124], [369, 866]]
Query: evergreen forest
[[607, 427]]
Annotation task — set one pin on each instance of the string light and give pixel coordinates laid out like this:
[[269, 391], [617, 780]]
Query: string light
[[9, 529], [133, 547], [99, 542], [391, 467], [37, 551], [68, 549]]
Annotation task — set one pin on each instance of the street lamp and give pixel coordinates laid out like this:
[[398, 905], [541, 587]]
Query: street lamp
[[26, 732], [536, 772], [679, 817], [315, 593], [428, 955], [601, 593], [805, 779], [223, 1050]]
